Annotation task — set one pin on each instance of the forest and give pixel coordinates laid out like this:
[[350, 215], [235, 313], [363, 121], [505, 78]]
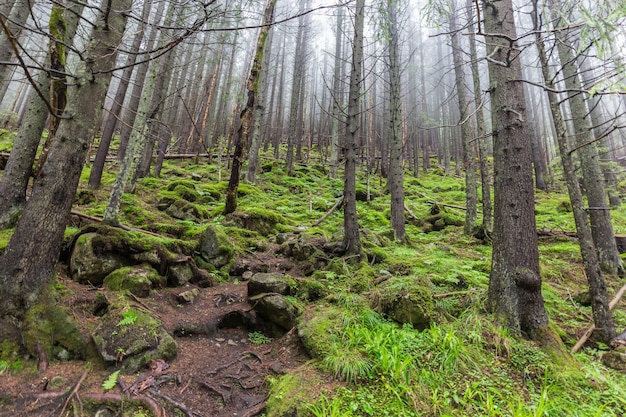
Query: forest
[[312, 208]]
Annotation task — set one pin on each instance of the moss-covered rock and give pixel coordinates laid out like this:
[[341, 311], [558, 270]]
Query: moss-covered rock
[[186, 193], [132, 342], [405, 300], [290, 394], [139, 280], [260, 220], [89, 266], [51, 329], [271, 282], [278, 310], [214, 247], [184, 210]]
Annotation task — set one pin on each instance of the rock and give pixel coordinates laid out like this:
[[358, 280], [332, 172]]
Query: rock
[[247, 275], [278, 310], [615, 360], [87, 267], [405, 300], [184, 210], [179, 274], [583, 298], [187, 297], [165, 202], [214, 247], [134, 344], [270, 282], [138, 279], [282, 238]]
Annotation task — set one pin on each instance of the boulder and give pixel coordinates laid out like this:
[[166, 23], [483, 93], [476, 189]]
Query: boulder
[[270, 282], [138, 279], [87, 267], [214, 247], [405, 300], [187, 297], [132, 343], [278, 310], [179, 274], [615, 359]]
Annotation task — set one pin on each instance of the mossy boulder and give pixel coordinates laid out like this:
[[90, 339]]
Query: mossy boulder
[[317, 327], [186, 193], [214, 247], [271, 282], [615, 359], [290, 394], [179, 274], [132, 343], [50, 328], [277, 309], [405, 300], [260, 220], [184, 210], [138, 279], [88, 265]]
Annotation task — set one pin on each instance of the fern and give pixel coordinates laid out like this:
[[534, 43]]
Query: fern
[[110, 382], [128, 317]]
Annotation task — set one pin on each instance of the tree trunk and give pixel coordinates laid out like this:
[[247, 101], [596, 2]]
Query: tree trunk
[[95, 176], [597, 288], [514, 284], [26, 266], [17, 19], [593, 180], [245, 124], [352, 240], [14, 181], [336, 97], [396, 177]]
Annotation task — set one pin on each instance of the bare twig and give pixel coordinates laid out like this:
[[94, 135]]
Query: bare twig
[[450, 294], [329, 212]]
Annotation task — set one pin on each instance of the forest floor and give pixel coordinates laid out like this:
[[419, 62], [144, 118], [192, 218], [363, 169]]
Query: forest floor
[[221, 373]]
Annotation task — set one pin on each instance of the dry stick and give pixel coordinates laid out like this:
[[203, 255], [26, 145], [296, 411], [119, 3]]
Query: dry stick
[[121, 226], [74, 391], [328, 213], [408, 210], [591, 328], [449, 294], [156, 409], [255, 410], [177, 404]]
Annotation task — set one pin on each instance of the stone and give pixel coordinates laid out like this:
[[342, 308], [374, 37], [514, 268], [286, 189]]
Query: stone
[[138, 279], [179, 274], [87, 267], [278, 310], [214, 247], [247, 275], [270, 282], [187, 297], [404, 300], [132, 345], [615, 360]]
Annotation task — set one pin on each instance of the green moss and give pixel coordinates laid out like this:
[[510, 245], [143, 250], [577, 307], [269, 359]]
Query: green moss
[[52, 327], [139, 280], [5, 236], [405, 299], [186, 193], [318, 328], [290, 393]]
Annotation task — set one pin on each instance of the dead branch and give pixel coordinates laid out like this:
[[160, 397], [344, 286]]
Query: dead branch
[[381, 279], [329, 212], [177, 404], [446, 205], [121, 226], [450, 294], [222, 393], [150, 403], [591, 328], [255, 410], [73, 392], [408, 210]]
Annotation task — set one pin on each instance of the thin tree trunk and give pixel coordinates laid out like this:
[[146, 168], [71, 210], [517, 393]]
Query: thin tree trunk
[[335, 149], [14, 24]]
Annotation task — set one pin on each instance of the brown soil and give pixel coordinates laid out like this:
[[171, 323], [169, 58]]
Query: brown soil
[[218, 373]]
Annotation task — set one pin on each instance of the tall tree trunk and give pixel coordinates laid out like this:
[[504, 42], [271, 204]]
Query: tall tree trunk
[[471, 195], [593, 180], [26, 266], [597, 288], [14, 181], [396, 177], [485, 177], [515, 283], [12, 30], [245, 124], [335, 150], [352, 239], [95, 176]]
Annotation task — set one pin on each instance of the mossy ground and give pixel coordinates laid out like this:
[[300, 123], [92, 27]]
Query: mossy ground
[[365, 364]]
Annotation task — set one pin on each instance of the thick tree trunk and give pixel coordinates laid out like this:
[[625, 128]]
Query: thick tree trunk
[[597, 288], [27, 264], [352, 239], [245, 124], [515, 284]]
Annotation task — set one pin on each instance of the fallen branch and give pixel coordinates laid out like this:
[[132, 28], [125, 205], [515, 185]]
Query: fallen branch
[[121, 226], [222, 393], [381, 279], [73, 392], [150, 403], [408, 210], [446, 205], [329, 212], [255, 410], [450, 294], [175, 403], [591, 328]]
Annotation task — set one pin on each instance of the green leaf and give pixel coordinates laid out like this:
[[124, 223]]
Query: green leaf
[[128, 317], [110, 381]]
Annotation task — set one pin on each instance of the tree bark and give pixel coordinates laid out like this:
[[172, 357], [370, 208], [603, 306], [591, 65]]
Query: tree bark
[[243, 132], [27, 265], [352, 239], [515, 283], [16, 20]]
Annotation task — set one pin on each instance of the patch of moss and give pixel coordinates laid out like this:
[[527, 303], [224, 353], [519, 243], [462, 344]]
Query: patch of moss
[[405, 300], [181, 183], [318, 328], [139, 280], [290, 393], [186, 193], [5, 236], [51, 327]]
